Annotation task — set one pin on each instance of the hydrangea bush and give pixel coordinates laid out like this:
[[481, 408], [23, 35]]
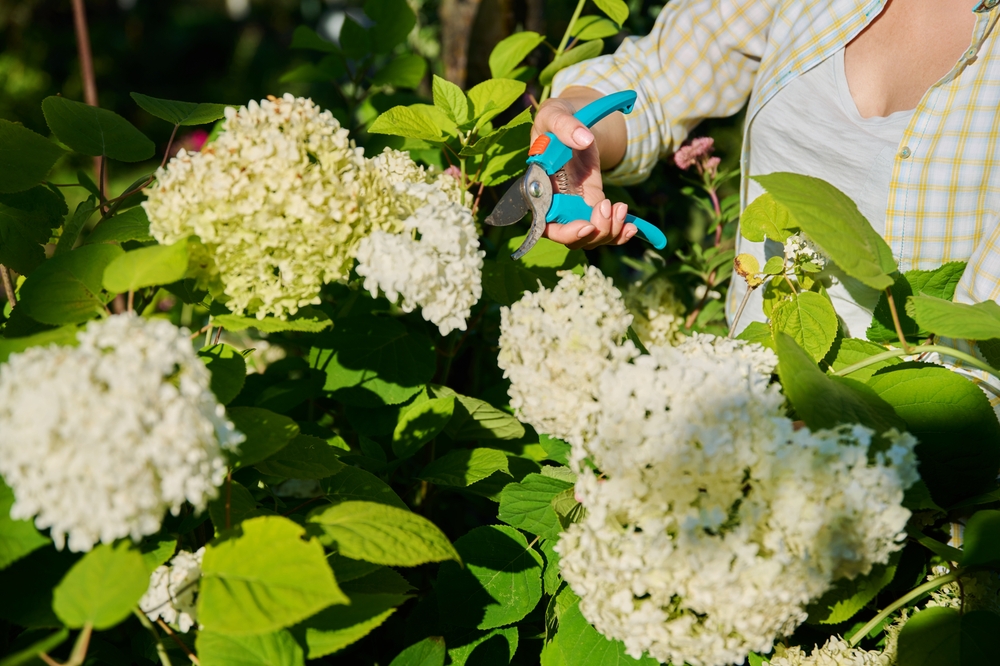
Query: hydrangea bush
[[284, 399]]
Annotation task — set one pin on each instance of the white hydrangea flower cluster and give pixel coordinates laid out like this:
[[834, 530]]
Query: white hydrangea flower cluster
[[800, 250], [99, 440], [173, 591], [434, 264], [658, 315], [835, 652], [980, 590], [281, 201], [712, 522], [554, 346]]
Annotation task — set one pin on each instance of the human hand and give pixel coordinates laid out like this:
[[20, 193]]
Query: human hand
[[606, 225]]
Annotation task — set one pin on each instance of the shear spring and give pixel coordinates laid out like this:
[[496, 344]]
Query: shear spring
[[562, 181]]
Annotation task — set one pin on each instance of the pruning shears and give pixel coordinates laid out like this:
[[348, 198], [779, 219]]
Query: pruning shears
[[533, 193]]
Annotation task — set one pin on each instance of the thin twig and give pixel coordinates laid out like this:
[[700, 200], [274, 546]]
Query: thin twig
[[161, 650], [48, 660], [200, 331], [86, 67], [166, 152], [131, 300], [895, 320], [8, 286], [309, 501], [739, 311], [170, 632], [218, 334]]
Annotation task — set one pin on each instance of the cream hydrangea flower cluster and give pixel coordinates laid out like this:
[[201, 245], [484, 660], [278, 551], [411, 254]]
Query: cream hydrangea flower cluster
[[835, 652], [281, 201], [712, 522], [434, 264], [173, 591], [658, 315], [554, 346], [101, 439], [799, 250]]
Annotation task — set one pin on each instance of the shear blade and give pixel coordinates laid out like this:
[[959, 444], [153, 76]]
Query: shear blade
[[510, 209]]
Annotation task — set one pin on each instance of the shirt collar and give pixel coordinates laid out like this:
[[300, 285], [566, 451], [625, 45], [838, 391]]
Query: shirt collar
[[986, 6]]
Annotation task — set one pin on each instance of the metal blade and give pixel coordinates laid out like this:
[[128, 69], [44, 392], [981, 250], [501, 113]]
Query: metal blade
[[537, 190], [510, 209]]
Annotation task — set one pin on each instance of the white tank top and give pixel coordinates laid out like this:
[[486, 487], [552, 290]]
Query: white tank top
[[812, 126]]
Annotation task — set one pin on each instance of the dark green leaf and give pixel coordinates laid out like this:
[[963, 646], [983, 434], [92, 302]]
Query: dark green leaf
[[944, 637], [18, 538], [242, 506], [25, 157], [337, 627], [576, 642], [94, 131], [28, 583], [500, 584], [854, 350], [939, 283], [556, 449], [510, 51], [74, 225], [306, 38], [26, 223], [285, 396], [381, 534], [373, 361], [101, 588], [266, 434], [957, 429], [406, 71], [982, 539], [551, 578], [274, 649], [758, 332], [180, 113], [420, 423], [393, 22], [506, 280], [847, 597], [528, 505], [584, 51], [810, 320], [305, 457], [428, 652], [261, 576], [329, 69], [147, 267], [956, 320], [228, 368], [505, 158], [156, 550], [832, 221], [131, 225], [355, 40], [381, 580], [482, 648], [463, 467], [67, 289], [29, 655], [354, 484]]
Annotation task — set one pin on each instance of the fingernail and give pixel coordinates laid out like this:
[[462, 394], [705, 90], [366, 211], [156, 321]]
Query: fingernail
[[620, 214], [629, 234], [583, 136], [586, 231], [606, 208]]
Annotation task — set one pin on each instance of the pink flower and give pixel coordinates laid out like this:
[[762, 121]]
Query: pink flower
[[453, 171], [712, 166], [697, 154]]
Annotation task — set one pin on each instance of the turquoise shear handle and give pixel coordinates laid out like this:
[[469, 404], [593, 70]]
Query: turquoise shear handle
[[569, 208]]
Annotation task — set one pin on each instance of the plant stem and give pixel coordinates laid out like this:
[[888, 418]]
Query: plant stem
[[562, 44], [739, 311], [79, 653], [229, 496], [895, 320], [915, 593], [8, 287], [921, 349], [170, 632], [87, 72], [161, 651]]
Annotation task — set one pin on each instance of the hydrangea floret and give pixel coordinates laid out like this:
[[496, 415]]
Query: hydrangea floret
[[658, 315], [173, 591], [101, 439]]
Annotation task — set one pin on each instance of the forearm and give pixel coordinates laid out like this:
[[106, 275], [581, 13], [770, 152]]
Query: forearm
[[610, 134]]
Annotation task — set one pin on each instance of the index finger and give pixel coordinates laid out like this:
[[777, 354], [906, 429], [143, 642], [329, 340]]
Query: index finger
[[556, 119]]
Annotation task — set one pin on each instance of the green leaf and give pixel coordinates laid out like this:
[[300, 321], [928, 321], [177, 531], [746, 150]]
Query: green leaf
[[75, 223], [774, 266], [482, 648], [942, 550], [381, 580], [146, 267], [406, 71], [180, 113], [505, 158], [67, 289], [101, 588], [156, 550], [939, 283], [305, 457], [354, 39], [18, 538], [262, 576], [266, 434], [510, 51], [286, 395], [421, 423], [528, 505], [373, 361], [832, 221], [854, 350], [492, 97], [957, 429], [131, 225], [825, 402], [242, 506], [506, 280], [766, 218], [556, 449], [337, 627], [393, 22], [758, 332], [327, 70], [94, 131], [616, 10], [28, 587], [847, 597], [810, 320], [428, 652], [449, 98], [579, 53], [551, 578], [463, 467], [25, 157], [417, 121], [306, 38], [982, 539], [944, 637], [594, 27], [577, 643], [228, 368], [488, 144], [306, 320], [274, 649], [29, 655], [500, 584], [475, 419], [355, 484], [26, 223], [956, 320], [65, 335], [381, 534]]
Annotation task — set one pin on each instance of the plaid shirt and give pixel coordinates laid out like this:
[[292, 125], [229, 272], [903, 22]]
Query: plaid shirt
[[704, 58]]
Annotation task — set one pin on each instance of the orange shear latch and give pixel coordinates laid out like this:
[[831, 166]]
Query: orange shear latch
[[539, 145]]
